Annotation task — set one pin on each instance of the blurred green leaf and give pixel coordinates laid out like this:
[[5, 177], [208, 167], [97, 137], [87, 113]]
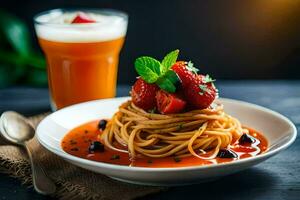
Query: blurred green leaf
[[16, 32], [18, 62], [36, 77], [12, 58], [36, 61], [1, 38], [9, 75]]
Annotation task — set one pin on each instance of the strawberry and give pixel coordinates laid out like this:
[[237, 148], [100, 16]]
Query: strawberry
[[82, 18], [168, 103], [201, 92], [185, 71], [143, 94]]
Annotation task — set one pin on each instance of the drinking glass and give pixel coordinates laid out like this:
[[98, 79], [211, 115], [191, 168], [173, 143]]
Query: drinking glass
[[82, 59]]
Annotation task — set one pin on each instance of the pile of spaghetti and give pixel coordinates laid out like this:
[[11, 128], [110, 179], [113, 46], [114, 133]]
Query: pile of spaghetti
[[200, 133], [184, 120]]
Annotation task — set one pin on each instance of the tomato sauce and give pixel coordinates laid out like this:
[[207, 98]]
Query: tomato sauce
[[78, 141]]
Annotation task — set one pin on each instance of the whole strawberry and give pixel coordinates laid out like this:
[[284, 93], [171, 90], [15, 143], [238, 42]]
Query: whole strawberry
[[143, 94], [201, 92]]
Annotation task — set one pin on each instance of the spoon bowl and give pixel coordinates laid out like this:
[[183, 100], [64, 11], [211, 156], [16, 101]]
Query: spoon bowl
[[15, 128]]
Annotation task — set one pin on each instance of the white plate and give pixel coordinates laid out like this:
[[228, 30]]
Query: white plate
[[279, 131]]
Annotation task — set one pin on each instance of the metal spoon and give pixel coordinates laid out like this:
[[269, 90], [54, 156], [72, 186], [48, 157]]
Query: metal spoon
[[16, 129]]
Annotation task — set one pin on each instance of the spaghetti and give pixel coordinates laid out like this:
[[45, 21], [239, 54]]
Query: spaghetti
[[201, 133]]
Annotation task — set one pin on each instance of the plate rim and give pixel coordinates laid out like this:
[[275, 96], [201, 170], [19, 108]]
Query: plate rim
[[98, 164]]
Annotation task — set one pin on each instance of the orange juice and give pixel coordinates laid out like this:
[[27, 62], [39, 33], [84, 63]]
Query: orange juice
[[81, 72], [82, 59]]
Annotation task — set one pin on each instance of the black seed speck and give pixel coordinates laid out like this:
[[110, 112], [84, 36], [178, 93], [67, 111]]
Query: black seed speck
[[102, 124], [74, 149], [72, 142], [176, 159], [86, 131], [246, 139], [226, 153], [96, 146], [149, 161], [115, 157]]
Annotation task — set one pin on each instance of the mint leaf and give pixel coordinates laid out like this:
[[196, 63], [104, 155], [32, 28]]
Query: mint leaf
[[168, 81], [166, 85], [149, 62], [147, 74], [148, 68], [190, 67], [169, 60]]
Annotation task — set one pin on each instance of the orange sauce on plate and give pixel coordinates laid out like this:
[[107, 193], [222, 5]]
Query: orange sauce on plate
[[78, 140]]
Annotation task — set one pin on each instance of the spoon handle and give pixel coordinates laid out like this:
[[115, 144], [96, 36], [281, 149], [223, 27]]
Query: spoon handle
[[42, 184]]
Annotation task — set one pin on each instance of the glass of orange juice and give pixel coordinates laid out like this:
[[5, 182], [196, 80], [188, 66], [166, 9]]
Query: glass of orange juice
[[82, 52]]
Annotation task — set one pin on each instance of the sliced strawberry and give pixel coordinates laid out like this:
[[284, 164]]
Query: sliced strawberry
[[143, 94], [200, 92], [169, 103], [82, 18], [185, 73]]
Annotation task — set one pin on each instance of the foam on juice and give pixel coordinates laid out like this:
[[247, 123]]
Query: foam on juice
[[56, 26]]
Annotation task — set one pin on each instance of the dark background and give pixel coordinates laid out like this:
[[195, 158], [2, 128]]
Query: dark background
[[232, 39]]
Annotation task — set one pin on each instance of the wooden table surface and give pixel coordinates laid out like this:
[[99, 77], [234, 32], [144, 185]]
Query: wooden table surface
[[277, 178]]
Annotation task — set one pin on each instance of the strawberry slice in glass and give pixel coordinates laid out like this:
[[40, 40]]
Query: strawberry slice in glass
[[82, 18]]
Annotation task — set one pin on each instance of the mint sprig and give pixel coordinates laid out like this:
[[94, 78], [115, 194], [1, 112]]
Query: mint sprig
[[169, 60], [160, 73], [168, 81]]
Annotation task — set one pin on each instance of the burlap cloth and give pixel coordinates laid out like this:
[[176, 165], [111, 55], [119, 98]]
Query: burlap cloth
[[72, 182]]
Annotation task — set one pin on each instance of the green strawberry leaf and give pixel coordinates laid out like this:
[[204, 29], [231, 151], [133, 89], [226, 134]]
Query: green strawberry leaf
[[169, 60], [148, 68], [168, 81]]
